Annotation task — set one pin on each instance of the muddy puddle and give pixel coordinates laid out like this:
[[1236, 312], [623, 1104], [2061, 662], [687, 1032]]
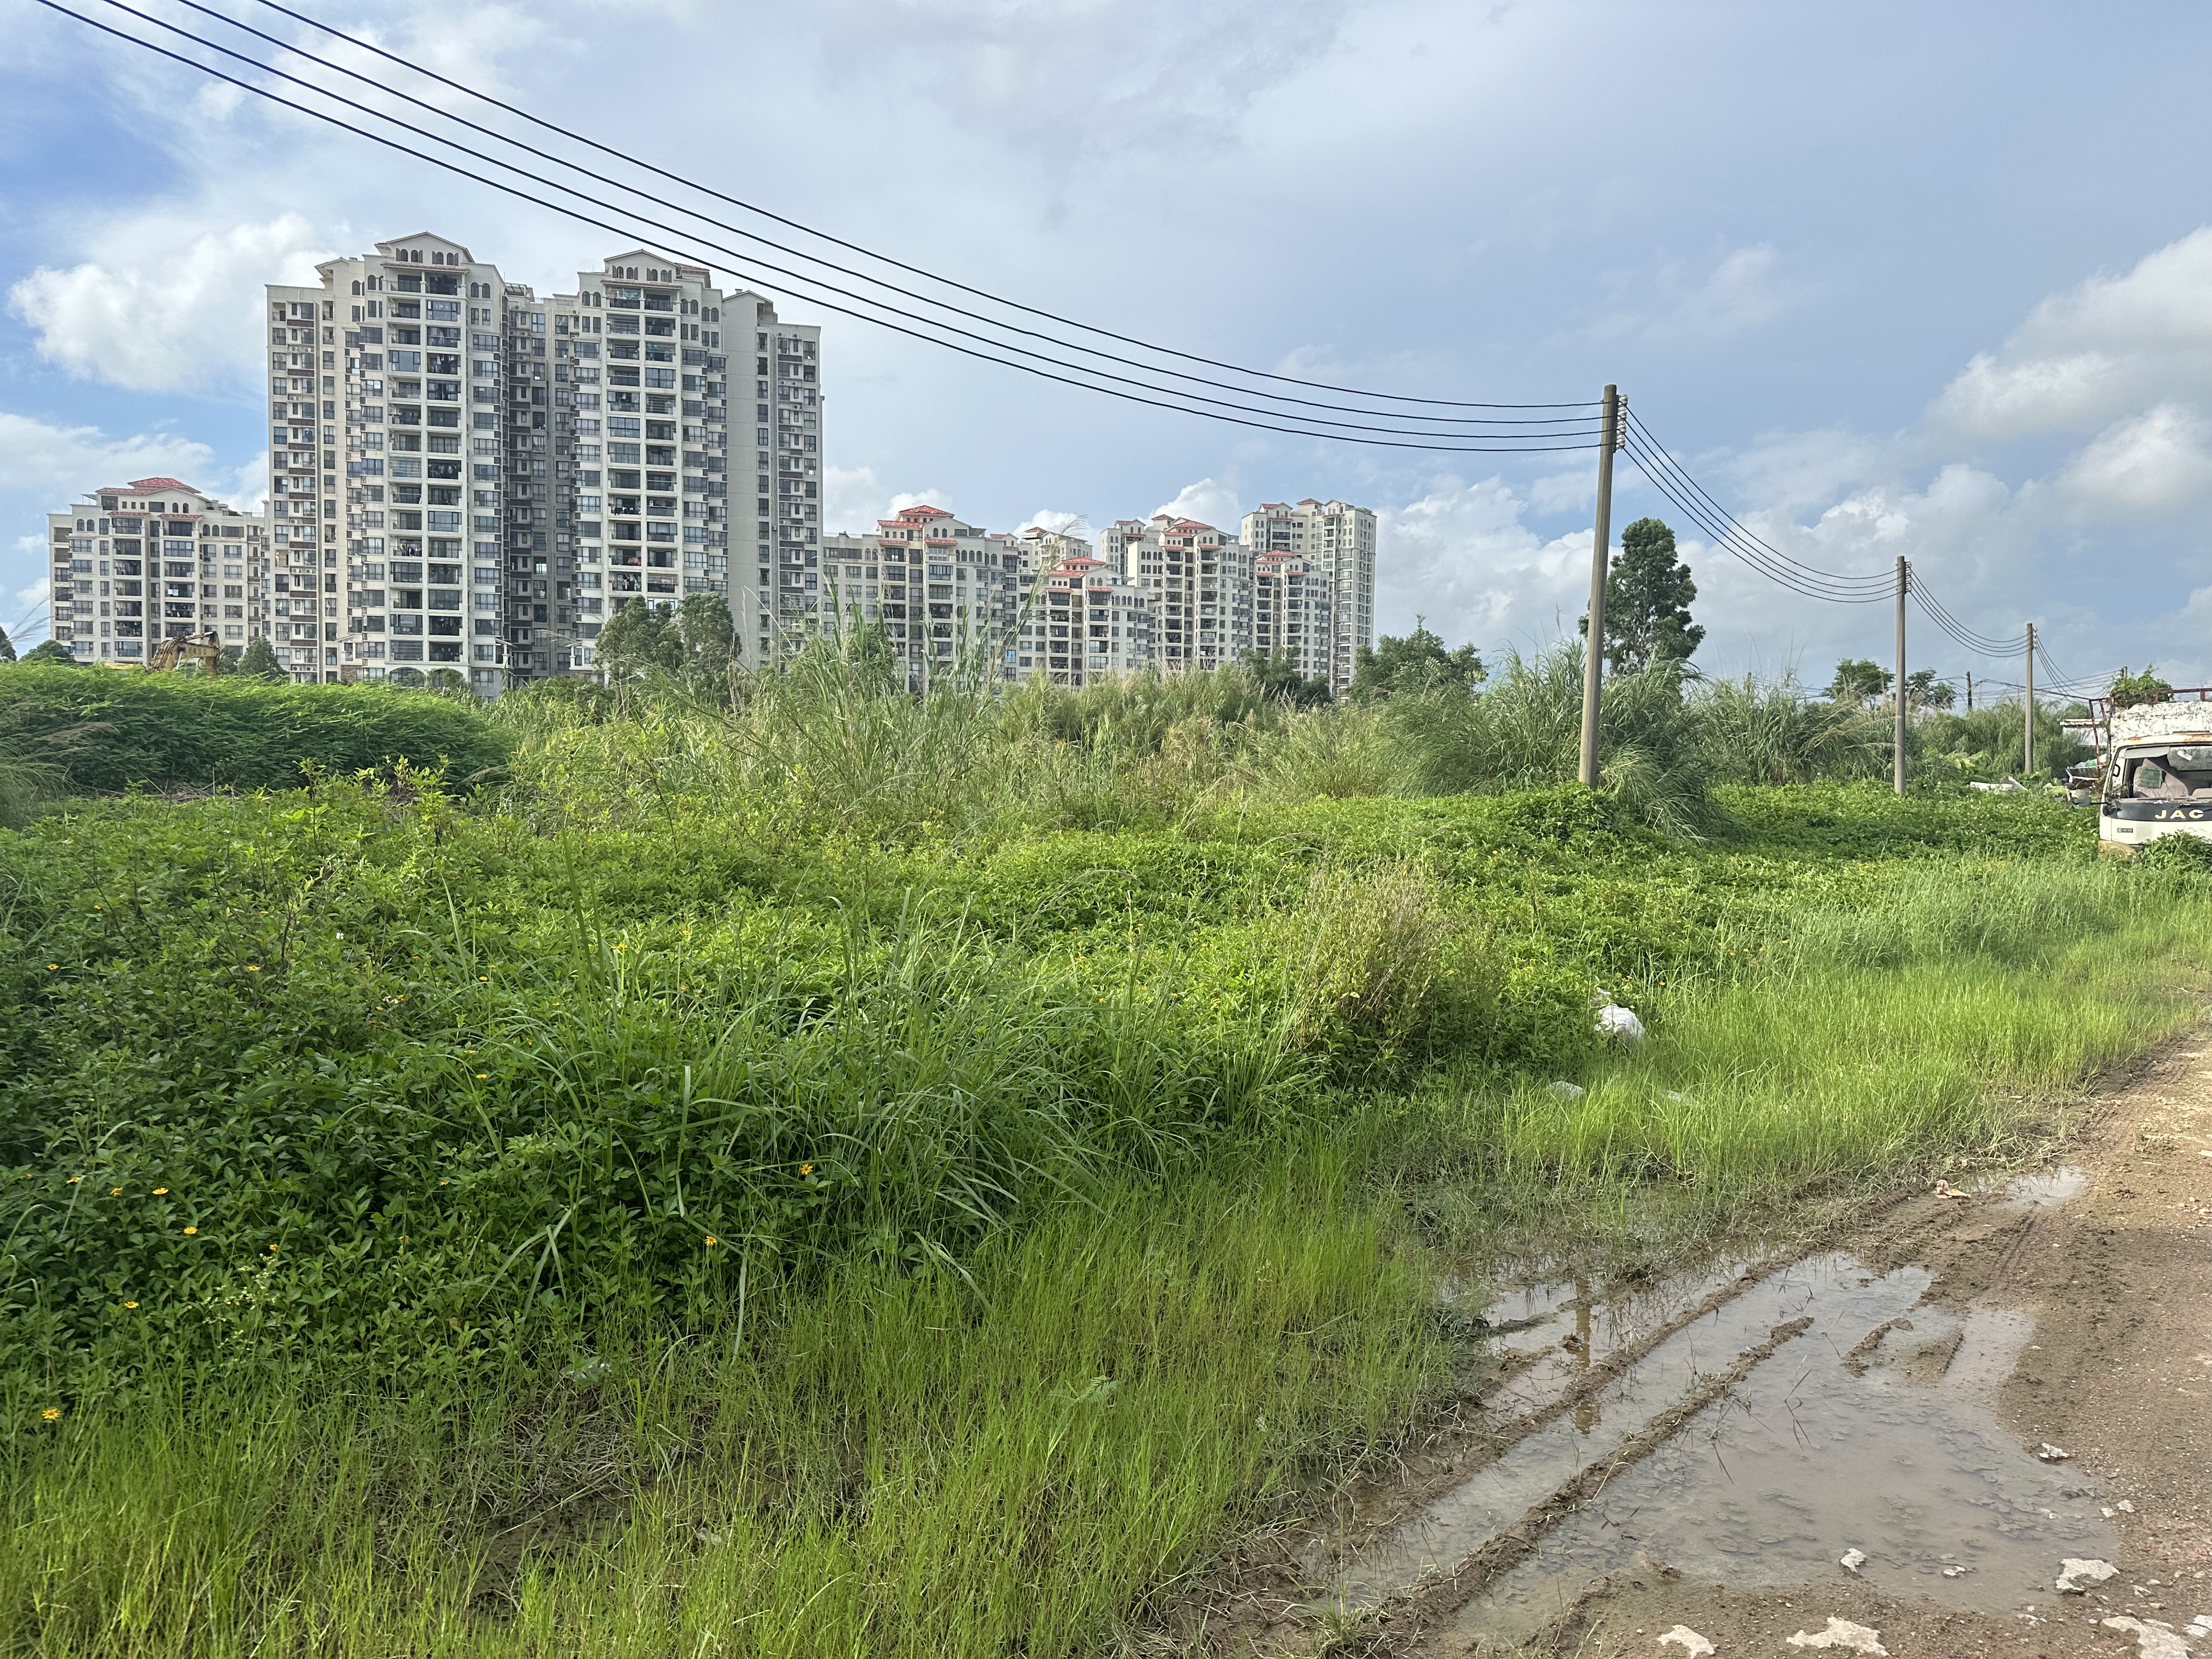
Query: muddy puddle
[[1868, 1431], [2045, 1189]]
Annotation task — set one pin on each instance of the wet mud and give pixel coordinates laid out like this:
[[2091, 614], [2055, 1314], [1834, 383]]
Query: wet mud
[[1910, 1438]]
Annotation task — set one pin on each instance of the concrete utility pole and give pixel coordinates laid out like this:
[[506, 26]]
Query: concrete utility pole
[[1898, 767], [2029, 770], [1594, 649]]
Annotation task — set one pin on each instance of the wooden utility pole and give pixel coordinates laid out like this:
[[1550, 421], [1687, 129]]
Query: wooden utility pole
[[1970, 690], [2028, 771], [1899, 766], [1601, 550]]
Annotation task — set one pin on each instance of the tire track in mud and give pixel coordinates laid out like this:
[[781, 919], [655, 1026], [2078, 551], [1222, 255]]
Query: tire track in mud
[[1405, 1617]]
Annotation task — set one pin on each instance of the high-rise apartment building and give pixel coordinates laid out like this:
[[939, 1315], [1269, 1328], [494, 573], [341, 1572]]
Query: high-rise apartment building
[[951, 593], [651, 506], [1199, 581], [1115, 541], [155, 559], [1291, 610], [389, 374], [1082, 623], [516, 467], [1039, 550], [1337, 541]]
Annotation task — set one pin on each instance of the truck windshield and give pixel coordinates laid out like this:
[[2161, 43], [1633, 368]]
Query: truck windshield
[[2171, 775]]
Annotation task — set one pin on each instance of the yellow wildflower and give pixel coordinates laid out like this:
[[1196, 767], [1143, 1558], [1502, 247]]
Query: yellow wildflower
[[189, 1232]]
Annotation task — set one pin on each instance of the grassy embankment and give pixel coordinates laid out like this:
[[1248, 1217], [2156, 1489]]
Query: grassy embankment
[[868, 1177]]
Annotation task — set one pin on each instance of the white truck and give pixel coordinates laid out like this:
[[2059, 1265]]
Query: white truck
[[2157, 776]]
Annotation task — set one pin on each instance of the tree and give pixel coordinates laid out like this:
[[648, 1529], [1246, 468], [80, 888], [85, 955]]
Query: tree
[[1647, 602], [51, 651], [1280, 678], [1923, 689], [707, 635], [638, 639], [1418, 662], [6, 647], [1858, 680], [2129, 690], [259, 661]]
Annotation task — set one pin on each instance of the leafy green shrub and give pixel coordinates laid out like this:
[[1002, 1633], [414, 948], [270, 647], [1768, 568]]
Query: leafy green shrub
[[179, 730], [1366, 945], [2188, 858]]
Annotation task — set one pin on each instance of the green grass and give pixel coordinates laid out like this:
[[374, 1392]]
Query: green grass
[[1007, 1460], [113, 729], [1928, 1027], [851, 1176]]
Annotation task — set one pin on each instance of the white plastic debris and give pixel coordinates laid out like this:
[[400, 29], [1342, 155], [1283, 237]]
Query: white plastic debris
[[1615, 1021], [1842, 1633], [1853, 1560], [2072, 1572], [1956, 1572], [2051, 1454], [1565, 1090], [1692, 1643], [2125, 1506], [2153, 1639]]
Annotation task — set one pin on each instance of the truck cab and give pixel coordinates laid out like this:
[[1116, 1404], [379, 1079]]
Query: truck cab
[[2157, 776]]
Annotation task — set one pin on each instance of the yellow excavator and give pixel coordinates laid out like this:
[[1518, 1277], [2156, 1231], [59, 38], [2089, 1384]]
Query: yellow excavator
[[204, 651]]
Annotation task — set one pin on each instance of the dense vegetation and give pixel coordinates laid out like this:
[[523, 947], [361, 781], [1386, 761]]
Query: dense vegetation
[[815, 1170], [80, 730]]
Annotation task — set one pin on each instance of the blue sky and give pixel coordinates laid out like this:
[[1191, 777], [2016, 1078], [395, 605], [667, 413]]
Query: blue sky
[[1892, 279]]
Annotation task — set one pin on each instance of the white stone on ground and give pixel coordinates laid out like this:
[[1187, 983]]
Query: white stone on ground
[[1842, 1633]]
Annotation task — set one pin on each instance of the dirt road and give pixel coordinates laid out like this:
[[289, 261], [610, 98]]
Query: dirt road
[[1961, 1397], [2102, 1302]]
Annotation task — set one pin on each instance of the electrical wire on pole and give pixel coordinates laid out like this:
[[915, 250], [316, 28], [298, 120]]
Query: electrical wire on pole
[[1897, 766], [1573, 429], [981, 325], [1600, 571]]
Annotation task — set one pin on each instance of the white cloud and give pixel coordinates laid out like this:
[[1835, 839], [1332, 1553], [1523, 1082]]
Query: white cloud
[[2087, 354], [2155, 463], [155, 312], [1743, 289], [1210, 501], [1065, 524], [29, 619], [249, 489], [57, 464], [904, 499], [1741, 292], [1076, 79], [1461, 557], [853, 500]]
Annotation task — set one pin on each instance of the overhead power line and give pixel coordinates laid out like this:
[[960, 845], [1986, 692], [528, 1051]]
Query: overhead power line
[[808, 230], [1560, 433], [1562, 426], [1668, 477], [1728, 533]]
